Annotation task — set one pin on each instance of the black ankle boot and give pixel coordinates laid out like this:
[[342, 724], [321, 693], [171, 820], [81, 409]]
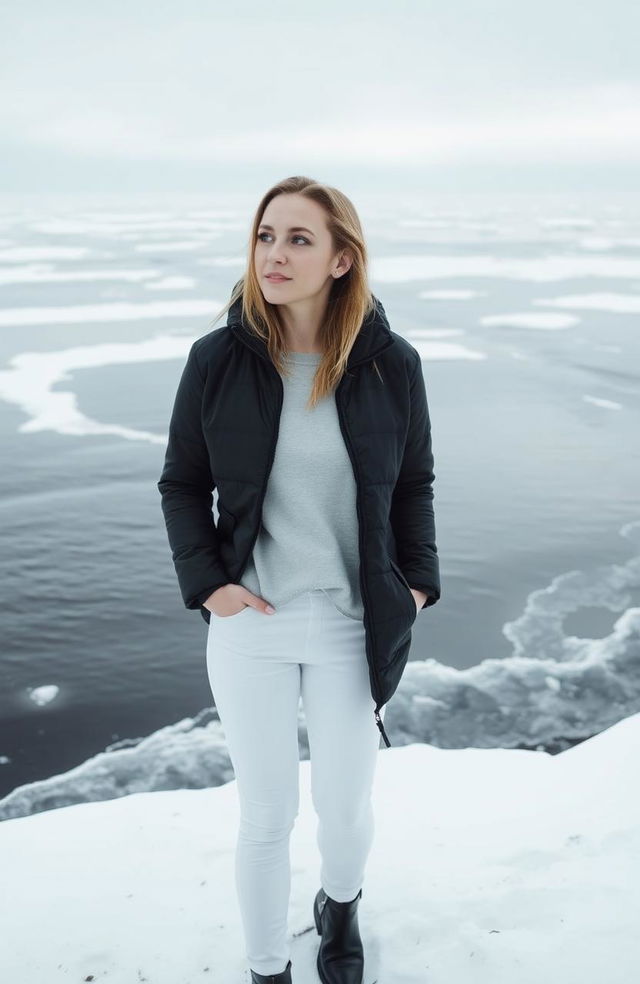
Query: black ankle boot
[[284, 977], [340, 957]]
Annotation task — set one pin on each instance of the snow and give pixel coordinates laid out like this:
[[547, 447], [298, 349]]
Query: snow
[[489, 865]]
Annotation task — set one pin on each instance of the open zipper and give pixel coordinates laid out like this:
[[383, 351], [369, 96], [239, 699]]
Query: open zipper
[[266, 477], [347, 439]]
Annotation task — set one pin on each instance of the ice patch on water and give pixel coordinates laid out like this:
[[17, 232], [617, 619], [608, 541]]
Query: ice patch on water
[[29, 382], [44, 694], [598, 401], [616, 303], [545, 320]]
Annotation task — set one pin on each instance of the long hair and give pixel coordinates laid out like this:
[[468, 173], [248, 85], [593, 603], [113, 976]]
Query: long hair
[[349, 302]]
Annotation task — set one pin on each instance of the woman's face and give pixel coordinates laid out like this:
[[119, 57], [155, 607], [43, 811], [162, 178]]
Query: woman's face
[[294, 242]]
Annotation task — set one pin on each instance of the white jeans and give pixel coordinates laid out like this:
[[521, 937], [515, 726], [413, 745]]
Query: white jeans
[[259, 666]]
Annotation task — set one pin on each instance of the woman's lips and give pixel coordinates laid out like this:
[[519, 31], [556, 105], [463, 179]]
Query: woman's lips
[[277, 280]]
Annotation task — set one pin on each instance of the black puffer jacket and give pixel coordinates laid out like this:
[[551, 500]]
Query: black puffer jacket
[[223, 433]]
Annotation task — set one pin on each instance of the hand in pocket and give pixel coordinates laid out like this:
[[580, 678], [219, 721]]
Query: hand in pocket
[[231, 599]]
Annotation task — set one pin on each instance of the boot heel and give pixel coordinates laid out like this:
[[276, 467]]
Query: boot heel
[[316, 915], [282, 978]]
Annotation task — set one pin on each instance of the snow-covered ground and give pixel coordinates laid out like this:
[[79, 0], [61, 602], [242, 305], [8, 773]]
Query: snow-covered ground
[[491, 866]]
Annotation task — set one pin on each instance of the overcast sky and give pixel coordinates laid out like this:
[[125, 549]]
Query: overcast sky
[[198, 96]]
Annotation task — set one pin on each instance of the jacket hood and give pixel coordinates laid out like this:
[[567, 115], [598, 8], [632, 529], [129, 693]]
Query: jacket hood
[[374, 335]]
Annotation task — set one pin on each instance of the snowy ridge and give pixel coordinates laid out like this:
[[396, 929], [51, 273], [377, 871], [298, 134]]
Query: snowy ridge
[[491, 866]]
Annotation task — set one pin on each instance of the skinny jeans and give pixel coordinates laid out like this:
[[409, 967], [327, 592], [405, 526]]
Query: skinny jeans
[[259, 667]]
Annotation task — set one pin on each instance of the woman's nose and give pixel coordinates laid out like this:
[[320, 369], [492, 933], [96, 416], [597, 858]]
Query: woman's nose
[[276, 251]]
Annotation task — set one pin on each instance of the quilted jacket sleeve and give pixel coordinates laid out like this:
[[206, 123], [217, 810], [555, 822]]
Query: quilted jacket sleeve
[[186, 487], [412, 516]]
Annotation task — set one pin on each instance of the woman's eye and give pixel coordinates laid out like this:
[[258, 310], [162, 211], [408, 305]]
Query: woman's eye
[[303, 238]]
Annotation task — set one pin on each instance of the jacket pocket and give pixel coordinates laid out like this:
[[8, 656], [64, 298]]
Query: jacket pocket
[[403, 581], [226, 521]]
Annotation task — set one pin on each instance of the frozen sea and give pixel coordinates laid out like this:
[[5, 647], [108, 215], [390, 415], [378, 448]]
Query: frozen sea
[[526, 311]]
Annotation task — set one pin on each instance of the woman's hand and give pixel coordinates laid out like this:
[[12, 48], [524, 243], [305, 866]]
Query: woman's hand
[[419, 597], [227, 599]]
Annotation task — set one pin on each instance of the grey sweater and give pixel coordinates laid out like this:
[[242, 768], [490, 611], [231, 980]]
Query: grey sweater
[[308, 537]]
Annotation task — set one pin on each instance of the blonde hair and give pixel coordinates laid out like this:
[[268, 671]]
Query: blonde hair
[[350, 300]]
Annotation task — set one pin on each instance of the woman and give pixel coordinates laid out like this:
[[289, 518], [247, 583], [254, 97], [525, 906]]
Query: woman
[[310, 417]]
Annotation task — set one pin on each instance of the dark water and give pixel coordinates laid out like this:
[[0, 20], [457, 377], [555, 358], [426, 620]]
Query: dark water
[[532, 479]]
